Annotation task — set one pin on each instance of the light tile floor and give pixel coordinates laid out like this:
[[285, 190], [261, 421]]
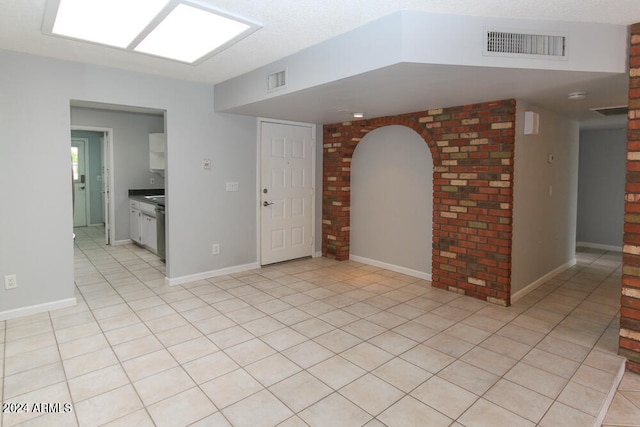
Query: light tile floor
[[314, 342]]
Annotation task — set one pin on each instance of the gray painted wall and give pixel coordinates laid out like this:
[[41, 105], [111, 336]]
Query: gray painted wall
[[601, 183], [392, 199], [36, 237], [544, 224], [130, 155]]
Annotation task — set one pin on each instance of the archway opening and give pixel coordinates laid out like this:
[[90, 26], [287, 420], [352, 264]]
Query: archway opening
[[392, 201]]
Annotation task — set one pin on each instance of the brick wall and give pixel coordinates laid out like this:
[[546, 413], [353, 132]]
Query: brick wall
[[472, 148], [630, 301]]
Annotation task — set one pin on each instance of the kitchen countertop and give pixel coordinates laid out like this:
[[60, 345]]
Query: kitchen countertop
[[153, 196]]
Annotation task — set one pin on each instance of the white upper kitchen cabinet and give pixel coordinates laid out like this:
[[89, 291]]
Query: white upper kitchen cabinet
[[157, 144]]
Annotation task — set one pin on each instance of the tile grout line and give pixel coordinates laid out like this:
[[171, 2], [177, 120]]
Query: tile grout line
[[582, 363], [309, 336], [107, 340], [442, 331], [132, 383]]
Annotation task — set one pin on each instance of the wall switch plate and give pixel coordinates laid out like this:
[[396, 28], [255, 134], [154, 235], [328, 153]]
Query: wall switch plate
[[10, 281], [215, 249], [206, 164], [152, 181], [232, 186]]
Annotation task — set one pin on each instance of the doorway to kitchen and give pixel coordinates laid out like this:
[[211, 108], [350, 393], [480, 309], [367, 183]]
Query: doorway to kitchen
[[286, 198]]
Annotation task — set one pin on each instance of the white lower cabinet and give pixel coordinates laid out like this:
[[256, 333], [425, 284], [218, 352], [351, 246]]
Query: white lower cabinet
[[149, 233], [142, 224], [134, 221]]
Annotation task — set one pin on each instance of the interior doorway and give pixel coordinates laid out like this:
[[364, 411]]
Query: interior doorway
[[80, 166], [97, 179]]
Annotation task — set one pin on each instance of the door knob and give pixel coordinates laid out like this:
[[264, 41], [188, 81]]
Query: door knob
[[265, 203]]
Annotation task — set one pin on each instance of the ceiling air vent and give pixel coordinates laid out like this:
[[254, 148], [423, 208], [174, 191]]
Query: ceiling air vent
[[277, 80], [611, 111], [501, 42]]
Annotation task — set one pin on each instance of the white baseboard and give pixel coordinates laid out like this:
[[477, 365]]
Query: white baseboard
[[209, 274], [391, 267], [38, 308], [317, 255], [121, 242], [599, 246], [522, 292]]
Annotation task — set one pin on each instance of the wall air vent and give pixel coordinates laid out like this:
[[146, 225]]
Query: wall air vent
[[611, 111], [277, 80], [512, 44]]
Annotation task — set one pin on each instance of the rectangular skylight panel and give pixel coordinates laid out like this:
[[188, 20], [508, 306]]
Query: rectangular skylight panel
[[189, 33], [111, 22]]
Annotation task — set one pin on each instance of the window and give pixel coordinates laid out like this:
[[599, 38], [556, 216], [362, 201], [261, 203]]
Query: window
[[74, 164]]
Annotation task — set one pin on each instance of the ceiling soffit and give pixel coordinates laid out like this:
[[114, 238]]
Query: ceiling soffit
[[432, 40]]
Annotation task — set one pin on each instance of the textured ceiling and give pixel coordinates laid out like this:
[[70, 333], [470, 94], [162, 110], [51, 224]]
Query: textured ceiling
[[288, 27]]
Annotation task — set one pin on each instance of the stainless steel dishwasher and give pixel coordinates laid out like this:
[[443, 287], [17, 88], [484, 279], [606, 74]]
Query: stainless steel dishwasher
[[160, 230]]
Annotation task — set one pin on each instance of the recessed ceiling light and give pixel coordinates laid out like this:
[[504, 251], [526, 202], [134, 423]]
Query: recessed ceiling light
[[176, 29], [573, 96], [358, 115]]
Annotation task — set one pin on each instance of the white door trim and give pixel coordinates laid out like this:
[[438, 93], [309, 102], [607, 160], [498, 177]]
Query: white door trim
[[259, 122], [108, 137]]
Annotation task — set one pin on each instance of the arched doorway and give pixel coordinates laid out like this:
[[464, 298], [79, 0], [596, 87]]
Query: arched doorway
[[472, 147], [392, 201]]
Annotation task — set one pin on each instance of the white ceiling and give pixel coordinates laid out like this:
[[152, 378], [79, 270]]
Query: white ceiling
[[290, 26]]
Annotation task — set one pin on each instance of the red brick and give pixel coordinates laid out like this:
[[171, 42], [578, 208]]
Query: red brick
[[632, 228], [630, 281], [629, 313], [629, 344], [633, 366], [447, 273]]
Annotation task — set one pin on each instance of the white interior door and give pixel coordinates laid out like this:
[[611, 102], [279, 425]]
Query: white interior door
[[286, 203], [79, 165]]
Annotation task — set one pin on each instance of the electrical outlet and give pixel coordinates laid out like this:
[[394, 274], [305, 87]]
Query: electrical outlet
[[10, 281], [216, 249], [152, 181]]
